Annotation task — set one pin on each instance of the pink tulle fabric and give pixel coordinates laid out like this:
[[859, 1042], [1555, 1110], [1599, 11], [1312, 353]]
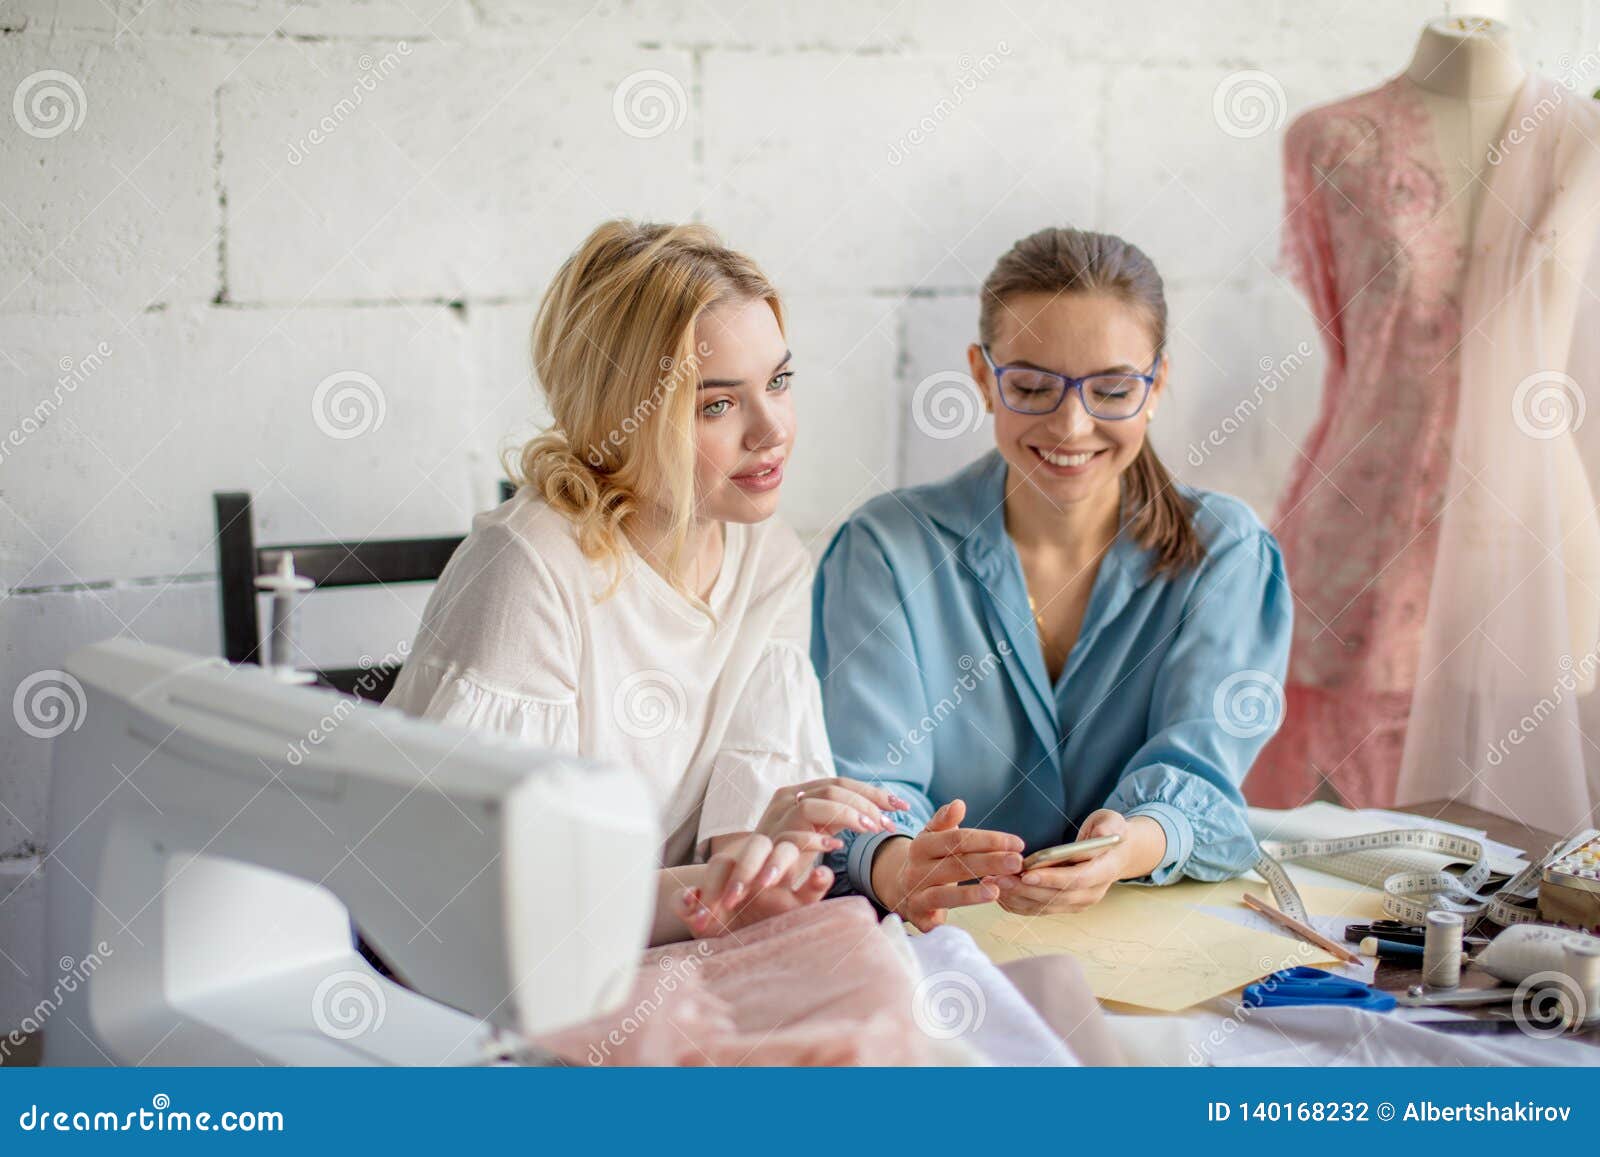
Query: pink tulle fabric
[[819, 985], [1372, 242]]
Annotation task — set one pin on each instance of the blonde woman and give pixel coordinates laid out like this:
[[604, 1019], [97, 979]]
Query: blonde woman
[[635, 601]]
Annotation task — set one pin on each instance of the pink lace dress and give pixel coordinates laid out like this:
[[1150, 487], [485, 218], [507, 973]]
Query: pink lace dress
[[1373, 241]]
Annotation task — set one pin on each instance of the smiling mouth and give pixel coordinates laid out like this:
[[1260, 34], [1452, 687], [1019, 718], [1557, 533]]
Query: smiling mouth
[[1066, 460]]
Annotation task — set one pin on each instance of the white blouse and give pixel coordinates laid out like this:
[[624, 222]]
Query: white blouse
[[518, 638]]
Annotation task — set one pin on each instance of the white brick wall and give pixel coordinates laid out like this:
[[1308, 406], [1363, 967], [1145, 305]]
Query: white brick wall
[[179, 271]]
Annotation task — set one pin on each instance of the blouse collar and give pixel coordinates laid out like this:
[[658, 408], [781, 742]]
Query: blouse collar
[[971, 505], [691, 610]]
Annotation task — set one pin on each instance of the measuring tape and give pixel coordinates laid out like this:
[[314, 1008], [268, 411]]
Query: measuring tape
[[1410, 896]]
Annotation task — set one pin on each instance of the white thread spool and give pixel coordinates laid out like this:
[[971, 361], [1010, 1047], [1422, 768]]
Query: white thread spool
[[1441, 950], [285, 585], [1582, 963]]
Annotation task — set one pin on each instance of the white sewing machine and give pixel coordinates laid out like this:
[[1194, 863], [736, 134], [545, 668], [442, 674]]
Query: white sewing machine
[[213, 829]]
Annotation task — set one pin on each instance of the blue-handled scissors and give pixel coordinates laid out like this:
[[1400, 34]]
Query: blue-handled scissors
[[1305, 985]]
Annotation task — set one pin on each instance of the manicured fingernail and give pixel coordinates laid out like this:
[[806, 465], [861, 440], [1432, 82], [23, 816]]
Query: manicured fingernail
[[867, 821], [768, 878], [1030, 878], [898, 804], [832, 844], [735, 890]]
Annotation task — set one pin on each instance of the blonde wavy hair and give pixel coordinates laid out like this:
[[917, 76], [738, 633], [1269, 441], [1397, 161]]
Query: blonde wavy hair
[[614, 350]]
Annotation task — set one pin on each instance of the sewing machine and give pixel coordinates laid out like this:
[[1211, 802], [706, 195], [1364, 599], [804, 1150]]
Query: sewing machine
[[213, 830]]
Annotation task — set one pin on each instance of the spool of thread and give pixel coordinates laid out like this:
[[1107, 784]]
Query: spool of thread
[[1582, 963], [1441, 950], [286, 586]]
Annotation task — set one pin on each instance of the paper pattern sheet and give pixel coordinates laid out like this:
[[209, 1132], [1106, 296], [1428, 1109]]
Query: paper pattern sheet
[[1142, 950]]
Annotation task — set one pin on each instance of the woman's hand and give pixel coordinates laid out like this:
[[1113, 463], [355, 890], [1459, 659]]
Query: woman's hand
[[921, 879], [752, 877], [1074, 887], [826, 806]]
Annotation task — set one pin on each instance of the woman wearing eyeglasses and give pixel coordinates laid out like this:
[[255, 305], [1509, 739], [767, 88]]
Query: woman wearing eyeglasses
[[1058, 642]]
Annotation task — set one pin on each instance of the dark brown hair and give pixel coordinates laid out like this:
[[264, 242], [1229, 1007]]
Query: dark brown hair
[[1062, 261]]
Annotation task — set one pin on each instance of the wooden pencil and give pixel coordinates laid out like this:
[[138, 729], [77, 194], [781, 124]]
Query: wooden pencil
[[1301, 930]]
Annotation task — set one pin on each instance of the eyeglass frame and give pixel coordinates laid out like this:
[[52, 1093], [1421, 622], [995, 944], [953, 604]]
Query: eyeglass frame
[[1068, 384]]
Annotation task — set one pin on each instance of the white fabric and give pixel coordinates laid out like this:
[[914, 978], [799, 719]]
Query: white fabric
[[962, 994], [1221, 1032], [1327, 1037], [1505, 697], [946, 1052], [519, 638]]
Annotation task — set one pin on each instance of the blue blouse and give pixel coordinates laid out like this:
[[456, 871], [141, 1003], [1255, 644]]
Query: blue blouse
[[934, 680]]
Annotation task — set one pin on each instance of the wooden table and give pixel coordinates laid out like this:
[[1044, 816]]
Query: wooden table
[[1396, 977]]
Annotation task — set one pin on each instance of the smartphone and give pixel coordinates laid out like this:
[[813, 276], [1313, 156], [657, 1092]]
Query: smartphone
[[1070, 853]]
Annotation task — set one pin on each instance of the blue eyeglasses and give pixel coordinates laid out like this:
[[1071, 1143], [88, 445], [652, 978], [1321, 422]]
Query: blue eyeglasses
[[1109, 397]]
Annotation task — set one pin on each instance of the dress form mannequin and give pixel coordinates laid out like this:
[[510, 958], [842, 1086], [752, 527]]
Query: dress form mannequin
[[1440, 531], [1468, 72], [1468, 76]]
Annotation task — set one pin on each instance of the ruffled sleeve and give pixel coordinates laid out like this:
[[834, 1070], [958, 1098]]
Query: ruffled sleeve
[[1217, 701], [496, 651], [776, 737], [460, 698]]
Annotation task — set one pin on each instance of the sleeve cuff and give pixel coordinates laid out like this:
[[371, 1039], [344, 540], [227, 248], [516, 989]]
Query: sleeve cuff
[[858, 864], [1180, 839]]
